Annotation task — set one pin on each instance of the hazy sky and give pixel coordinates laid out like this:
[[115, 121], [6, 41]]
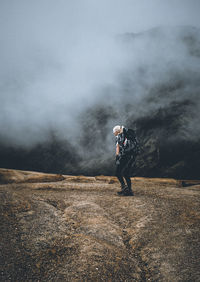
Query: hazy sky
[[55, 55], [41, 19]]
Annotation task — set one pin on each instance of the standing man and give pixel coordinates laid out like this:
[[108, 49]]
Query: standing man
[[126, 149]]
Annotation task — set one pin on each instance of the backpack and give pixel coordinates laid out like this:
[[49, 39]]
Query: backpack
[[135, 146]]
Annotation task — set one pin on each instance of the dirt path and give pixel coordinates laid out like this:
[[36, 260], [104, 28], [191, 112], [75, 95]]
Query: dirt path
[[80, 230]]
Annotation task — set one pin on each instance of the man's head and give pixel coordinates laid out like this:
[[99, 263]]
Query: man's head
[[117, 129]]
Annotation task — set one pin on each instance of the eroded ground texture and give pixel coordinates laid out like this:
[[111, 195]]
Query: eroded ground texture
[[65, 228]]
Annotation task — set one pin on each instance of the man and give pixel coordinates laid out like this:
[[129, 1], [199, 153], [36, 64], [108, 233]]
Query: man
[[126, 144]]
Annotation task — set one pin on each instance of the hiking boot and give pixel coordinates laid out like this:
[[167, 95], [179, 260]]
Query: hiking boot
[[127, 192], [123, 189]]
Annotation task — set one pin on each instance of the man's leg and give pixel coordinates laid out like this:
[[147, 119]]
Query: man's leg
[[127, 175], [119, 168]]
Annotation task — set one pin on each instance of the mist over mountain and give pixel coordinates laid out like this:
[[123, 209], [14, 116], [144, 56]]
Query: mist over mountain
[[158, 95], [151, 84]]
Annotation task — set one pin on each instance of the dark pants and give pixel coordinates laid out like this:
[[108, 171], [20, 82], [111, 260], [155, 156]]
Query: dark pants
[[123, 169]]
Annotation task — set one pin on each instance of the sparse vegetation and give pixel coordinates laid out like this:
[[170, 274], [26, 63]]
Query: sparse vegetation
[[78, 229]]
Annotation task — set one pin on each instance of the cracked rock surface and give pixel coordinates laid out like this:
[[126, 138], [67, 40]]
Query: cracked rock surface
[[77, 228]]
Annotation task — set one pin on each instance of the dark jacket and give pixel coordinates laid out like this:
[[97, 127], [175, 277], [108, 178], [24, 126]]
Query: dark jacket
[[126, 143]]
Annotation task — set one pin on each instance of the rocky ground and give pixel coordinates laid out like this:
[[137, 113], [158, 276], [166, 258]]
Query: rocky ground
[[75, 228]]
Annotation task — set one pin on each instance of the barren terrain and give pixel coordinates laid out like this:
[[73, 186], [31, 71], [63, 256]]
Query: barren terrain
[[76, 228]]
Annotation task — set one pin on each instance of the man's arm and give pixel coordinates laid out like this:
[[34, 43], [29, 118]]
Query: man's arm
[[117, 149]]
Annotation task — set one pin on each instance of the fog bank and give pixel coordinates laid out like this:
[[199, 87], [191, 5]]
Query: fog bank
[[71, 71]]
